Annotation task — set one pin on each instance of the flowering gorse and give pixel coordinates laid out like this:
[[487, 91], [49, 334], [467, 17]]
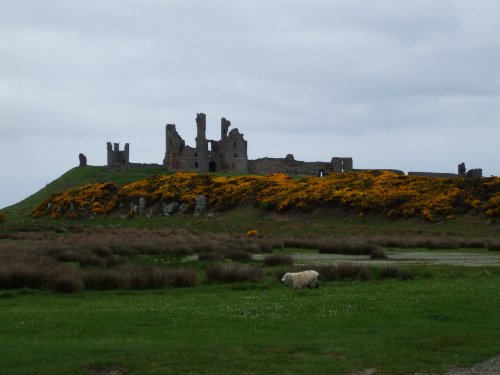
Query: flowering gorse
[[377, 191]]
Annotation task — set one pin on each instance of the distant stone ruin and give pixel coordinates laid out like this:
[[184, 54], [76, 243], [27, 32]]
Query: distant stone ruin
[[83, 160], [117, 158], [462, 173], [229, 154]]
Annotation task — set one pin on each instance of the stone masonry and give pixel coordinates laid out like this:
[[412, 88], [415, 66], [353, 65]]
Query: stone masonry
[[117, 158], [229, 154]]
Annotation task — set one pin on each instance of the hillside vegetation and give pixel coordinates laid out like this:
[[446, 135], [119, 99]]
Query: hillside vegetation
[[369, 192]]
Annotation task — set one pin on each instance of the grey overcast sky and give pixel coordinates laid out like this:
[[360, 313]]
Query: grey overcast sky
[[412, 85]]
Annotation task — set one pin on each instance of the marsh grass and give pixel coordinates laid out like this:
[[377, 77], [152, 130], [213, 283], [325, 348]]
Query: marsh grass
[[278, 260], [494, 244], [139, 277], [25, 271], [233, 272], [395, 272]]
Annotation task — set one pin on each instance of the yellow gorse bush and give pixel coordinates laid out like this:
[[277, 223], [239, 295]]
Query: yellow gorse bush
[[377, 191]]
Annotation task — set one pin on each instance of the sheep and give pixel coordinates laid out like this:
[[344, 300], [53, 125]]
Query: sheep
[[298, 280]]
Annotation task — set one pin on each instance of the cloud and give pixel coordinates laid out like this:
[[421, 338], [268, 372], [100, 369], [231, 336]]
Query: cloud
[[408, 85]]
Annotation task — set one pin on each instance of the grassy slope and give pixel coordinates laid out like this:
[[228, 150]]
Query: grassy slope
[[77, 177], [238, 221], [396, 327]]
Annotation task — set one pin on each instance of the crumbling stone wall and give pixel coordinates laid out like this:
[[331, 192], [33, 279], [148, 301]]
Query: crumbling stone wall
[[462, 173], [229, 154], [289, 165], [475, 173], [435, 174], [117, 158], [178, 156], [340, 165]]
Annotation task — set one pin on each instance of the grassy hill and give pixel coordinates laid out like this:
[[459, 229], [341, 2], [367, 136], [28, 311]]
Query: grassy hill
[[318, 219], [76, 177]]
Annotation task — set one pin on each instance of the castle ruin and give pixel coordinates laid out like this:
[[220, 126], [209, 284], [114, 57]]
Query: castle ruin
[[229, 154]]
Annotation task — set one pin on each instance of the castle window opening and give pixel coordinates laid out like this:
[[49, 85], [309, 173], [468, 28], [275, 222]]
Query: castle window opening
[[321, 173], [235, 155], [195, 154], [212, 166], [234, 144], [196, 164]]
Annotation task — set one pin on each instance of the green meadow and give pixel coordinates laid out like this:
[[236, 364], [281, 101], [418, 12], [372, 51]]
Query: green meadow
[[444, 317]]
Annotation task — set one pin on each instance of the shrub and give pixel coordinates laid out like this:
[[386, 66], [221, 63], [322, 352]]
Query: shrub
[[232, 272], [348, 247], [2, 217], [139, 277], [346, 270], [40, 273], [278, 260], [211, 256], [474, 243], [238, 255], [351, 246], [494, 245], [441, 243], [378, 254], [106, 279], [394, 272], [252, 233]]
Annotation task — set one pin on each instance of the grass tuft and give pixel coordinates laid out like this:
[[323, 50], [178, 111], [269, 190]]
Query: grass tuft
[[233, 272], [278, 260]]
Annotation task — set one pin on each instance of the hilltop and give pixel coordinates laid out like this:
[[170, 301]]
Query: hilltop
[[346, 204]]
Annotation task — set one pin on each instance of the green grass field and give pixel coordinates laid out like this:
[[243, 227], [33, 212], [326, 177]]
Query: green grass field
[[447, 318]]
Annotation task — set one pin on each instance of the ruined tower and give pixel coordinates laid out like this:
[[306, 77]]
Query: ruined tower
[[202, 152], [229, 154], [231, 150], [340, 165], [117, 158]]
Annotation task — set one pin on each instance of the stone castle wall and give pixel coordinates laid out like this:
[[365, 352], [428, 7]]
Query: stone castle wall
[[229, 154], [289, 165]]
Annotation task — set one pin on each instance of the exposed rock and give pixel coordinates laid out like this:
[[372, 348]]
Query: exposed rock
[[170, 208], [142, 204], [200, 205]]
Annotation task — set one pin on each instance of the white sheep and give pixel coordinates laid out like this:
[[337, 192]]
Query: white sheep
[[298, 280]]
